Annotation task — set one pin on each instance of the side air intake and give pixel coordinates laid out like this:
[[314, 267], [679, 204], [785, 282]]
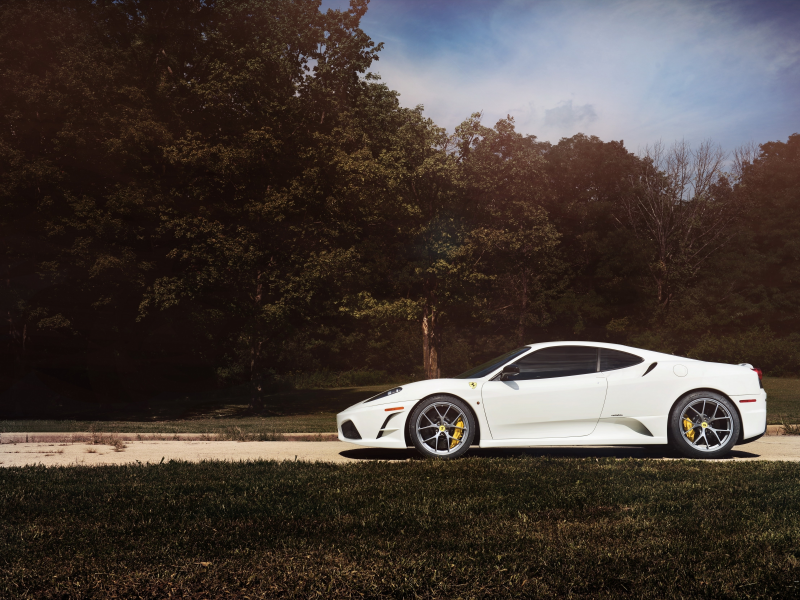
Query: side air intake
[[349, 431]]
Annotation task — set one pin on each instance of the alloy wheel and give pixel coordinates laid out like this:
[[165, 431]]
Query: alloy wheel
[[707, 424], [442, 427]]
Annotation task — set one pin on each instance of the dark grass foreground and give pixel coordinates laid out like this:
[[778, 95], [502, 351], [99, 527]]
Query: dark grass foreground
[[475, 528]]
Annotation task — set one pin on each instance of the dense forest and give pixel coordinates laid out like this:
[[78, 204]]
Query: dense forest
[[201, 193]]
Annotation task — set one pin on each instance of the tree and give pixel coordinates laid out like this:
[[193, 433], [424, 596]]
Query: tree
[[175, 156], [587, 182], [414, 242], [681, 205], [261, 222], [511, 243], [80, 150]]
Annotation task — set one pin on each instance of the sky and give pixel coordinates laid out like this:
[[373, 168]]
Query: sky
[[634, 70]]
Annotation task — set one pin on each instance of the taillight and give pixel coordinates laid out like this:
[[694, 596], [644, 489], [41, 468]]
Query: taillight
[[760, 374]]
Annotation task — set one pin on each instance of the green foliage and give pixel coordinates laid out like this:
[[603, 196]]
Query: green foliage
[[503, 527], [328, 379], [511, 245], [778, 356]]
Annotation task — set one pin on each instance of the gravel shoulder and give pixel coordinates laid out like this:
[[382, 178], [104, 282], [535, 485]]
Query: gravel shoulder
[[120, 452]]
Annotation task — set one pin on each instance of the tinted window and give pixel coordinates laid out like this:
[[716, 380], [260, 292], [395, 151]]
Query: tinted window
[[560, 361], [610, 360], [492, 365]]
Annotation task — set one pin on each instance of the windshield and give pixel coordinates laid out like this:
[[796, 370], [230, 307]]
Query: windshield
[[495, 363]]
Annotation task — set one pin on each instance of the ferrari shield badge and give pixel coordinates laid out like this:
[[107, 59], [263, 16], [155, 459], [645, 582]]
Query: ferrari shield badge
[[473, 385]]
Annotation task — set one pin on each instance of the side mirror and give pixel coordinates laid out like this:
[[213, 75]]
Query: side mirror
[[508, 370]]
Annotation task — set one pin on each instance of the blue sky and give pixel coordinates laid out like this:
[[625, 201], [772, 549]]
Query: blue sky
[[636, 70]]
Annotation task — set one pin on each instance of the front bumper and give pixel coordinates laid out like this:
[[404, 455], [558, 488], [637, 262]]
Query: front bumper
[[381, 426]]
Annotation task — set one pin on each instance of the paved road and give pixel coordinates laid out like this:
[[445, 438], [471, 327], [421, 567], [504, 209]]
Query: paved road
[[150, 451]]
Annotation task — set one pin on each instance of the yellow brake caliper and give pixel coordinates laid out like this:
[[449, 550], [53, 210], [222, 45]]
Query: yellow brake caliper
[[457, 434], [688, 428]]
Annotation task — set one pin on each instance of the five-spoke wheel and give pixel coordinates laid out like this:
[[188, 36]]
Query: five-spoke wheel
[[441, 426], [704, 425]]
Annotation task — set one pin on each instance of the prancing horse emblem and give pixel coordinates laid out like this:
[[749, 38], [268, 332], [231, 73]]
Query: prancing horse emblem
[[473, 385]]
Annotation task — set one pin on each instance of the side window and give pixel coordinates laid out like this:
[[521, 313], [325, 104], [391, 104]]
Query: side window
[[611, 360], [559, 361]]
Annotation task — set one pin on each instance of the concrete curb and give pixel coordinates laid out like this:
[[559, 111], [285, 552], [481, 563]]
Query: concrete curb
[[66, 437]]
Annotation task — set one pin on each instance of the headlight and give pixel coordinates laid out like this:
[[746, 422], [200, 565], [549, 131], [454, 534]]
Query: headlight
[[385, 394]]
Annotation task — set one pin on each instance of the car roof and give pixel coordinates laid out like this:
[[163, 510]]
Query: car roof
[[630, 349]]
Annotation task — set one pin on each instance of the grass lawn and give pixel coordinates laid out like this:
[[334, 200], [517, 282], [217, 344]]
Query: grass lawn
[[217, 411], [475, 528], [783, 400], [300, 411]]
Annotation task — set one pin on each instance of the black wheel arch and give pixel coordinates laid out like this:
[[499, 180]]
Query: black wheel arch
[[721, 393], [476, 440]]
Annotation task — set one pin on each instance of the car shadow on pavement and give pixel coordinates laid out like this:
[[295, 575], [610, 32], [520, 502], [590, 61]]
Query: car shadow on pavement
[[654, 452]]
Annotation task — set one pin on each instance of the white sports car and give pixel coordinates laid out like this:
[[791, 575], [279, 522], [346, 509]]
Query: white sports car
[[569, 394]]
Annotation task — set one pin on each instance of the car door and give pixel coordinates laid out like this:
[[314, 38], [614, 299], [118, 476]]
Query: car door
[[558, 393]]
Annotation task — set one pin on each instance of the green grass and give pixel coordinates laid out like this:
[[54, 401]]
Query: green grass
[[475, 528], [783, 400], [299, 411], [314, 423]]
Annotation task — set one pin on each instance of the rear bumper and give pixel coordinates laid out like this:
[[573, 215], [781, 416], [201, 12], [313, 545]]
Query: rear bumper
[[753, 410]]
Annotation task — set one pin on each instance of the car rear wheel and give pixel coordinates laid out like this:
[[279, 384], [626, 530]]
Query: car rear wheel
[[441, 426], [704, 425]]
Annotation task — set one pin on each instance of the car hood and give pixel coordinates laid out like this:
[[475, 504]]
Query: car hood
[[417, 390]]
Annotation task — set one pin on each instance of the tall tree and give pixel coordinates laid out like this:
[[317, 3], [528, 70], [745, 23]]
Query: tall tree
[[587, 183], [681, 205], [415, 248], [511, 241], [263, 222]]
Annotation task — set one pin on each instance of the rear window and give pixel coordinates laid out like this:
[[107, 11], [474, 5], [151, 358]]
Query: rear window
[[611, 360]]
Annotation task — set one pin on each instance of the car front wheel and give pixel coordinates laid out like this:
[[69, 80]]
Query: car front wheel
[[441, 426], [704, 425]]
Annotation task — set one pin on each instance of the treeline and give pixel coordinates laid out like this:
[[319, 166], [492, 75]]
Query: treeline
[[198, 193]]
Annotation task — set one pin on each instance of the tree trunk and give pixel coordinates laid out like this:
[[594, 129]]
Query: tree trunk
[[523, 310], [256, 385], [430, 351], [426, 349]]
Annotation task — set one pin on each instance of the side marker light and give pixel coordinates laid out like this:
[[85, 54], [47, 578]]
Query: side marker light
[[391, 409], [753, 400]]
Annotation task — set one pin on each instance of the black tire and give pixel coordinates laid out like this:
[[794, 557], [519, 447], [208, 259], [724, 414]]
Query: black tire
[[426, 430], [704, 425]]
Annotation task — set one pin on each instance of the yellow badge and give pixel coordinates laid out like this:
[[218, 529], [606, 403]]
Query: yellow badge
[[473, 385]]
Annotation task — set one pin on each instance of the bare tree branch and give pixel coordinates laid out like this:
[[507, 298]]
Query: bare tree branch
[[680, 205]]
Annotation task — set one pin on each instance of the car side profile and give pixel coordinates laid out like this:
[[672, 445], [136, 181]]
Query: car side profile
[[569, 394]]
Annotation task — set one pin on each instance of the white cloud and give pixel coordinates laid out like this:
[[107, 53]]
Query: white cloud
[[566, 116], [633, 70]]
